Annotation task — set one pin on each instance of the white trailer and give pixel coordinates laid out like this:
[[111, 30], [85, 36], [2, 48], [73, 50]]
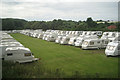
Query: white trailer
[[46, 34], [72, 40], [40, 35], [83, 33], [113, 49], [75, 36], [107, 35], [65, 40], [52, 37], [115, 37], [58, 39], [18, 54], [35, 34], [95, 43], [104, 35], [80, 40]]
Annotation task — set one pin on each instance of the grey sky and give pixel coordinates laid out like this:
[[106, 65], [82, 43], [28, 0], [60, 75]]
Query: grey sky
[[67, 10]]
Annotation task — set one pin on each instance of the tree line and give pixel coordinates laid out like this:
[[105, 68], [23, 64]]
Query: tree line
[[57, 24]]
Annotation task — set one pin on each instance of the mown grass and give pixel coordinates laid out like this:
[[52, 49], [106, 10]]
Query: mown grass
[[61, 61]]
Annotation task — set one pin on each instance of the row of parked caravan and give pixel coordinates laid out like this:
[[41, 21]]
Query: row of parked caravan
[[83, 39], [14, 51]]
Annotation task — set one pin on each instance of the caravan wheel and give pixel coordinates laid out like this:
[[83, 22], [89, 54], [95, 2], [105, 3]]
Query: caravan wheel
[[108, 55]]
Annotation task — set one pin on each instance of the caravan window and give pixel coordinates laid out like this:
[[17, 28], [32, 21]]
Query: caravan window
[[102, 41], [27, 54], [75, 40], [106, 42], [91, 43], [107, 34], [113, 34], [9, 54], [98, 42], [110, 40]]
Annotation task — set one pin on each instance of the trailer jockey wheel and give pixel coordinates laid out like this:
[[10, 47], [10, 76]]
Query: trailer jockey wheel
[[2, 58]]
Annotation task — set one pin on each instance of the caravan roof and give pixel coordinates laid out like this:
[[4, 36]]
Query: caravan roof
[[92, 39], [12, 44], [17, 48]]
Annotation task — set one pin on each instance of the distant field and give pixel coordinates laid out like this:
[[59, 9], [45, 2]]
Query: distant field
[[61, 61]]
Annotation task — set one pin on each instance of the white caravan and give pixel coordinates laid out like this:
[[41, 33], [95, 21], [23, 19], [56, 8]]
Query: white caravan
[[47, 36], [60, 36], [80, 40], [113, 49], [31, 33], [40, 35], [58, 39], [52, 37], [46, 33], [44, 36], [65, 40], [35, 34], [107, 35], [72, 40], [18, 54], [115, 37], [83, 33], [95, 43]]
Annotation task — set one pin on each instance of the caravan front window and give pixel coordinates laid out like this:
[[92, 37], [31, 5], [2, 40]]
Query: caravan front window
[[9, 54], [91, 43], [27, 54]]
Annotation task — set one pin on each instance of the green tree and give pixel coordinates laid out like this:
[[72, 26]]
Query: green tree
[[90, 23]]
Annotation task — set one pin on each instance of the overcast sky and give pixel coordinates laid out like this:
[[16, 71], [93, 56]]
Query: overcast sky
[[60, 9]]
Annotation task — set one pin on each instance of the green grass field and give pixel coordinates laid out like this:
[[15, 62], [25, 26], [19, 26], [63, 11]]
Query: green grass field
[[61, 61]]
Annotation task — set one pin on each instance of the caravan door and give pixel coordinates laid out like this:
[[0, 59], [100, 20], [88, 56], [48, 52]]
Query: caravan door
[[118, 49]]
